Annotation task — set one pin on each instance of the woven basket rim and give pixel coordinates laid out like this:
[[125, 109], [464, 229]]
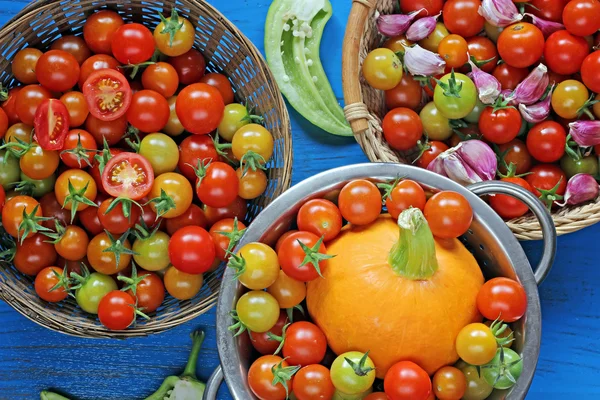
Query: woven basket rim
[[283, 171], [366, 125]]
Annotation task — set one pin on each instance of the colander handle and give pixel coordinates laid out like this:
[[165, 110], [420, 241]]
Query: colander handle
[[538, 209], [213, 384]]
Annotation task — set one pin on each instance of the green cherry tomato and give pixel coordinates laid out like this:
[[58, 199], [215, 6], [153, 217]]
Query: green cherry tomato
[[586, 165], [453, 100], [473, 116], [352, 377], [498, 372], [161, 151], [92, 290], [432, 41], [234, 117], [258, 310], [477, 387], [9, 173], [38, 188], [435, 125], [360, 396], [152, 253], [493, 32]]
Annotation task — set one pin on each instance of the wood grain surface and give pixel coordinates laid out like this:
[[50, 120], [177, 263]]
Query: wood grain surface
[[33, 358]]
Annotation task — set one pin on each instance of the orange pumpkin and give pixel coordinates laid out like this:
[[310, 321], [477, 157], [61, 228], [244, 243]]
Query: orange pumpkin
[[396, 292]]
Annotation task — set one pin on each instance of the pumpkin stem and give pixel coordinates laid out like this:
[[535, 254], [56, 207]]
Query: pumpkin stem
[[413, 256]]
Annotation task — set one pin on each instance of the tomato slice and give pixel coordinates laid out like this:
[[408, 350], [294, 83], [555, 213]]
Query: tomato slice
[[128, 175], [51, 123], [107, 94]]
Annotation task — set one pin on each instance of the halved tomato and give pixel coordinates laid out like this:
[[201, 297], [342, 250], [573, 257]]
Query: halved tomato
[[107, 94], [128, 175], [51, 123]]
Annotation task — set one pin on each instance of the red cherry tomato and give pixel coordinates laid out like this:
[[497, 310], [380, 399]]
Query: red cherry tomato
[[128, 175], [150, 292], [116, 310], [545, 177], [9, 105], [462, 17], [221, 241], [108, 94], [200, 108], [45, 281], [515, 152], [99, 29], [521, 45], [27, 101], [546, 141], [51, 124], [565, 52], [405, 380], [360, 202], [590, 71], [483, 49], [149, 111], [509, 76], [79, 159], [435, 149], [500, 126], [305, 344], [291, 256], [222, 84], [192, 149], [507, 206], [313, 382], [550, 10], [219, 185], [262, 342], [260, 379], [502, 298], [402, 128], [132, 44], [190, 66], [405, 194], [582, 17], [192, 216], [191, 250], [321, 217], [57, 70], [96, 62], [432, 7], [449, 214]]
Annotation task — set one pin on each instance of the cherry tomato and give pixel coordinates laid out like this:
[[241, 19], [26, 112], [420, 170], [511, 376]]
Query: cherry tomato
[[149, 111], [114, 221], [453, 49], [218, 186], [45, 285], [507, 206], [199, 108], [360, 202], [304, 344], [150, 292], [515, 152], [545, 177], [483, 49], [222, 84], [564, 53], [402, 128], [261, 377], [504, 363], [116, 310], [27, 101], [111, 131], [52, 209], [321, 217], [236, 209], [259, 266], [38, 163], [23, 65], [194, 215], [405, 194], [377, 396], [73, 243], [57, 70], [382, 69], [449, 214], [132, 44], [407, 94], [2, 198], [190, 66], [173, 126], [255, 138], [344, 377], [262, 342], [546, 141], [455, 107], [104, 261], [51, 124], [107, 94], [477, 387], [476, 344], [152, 252], [405, 380], [500, 126], [432, 41], [252, 183], [34, 253], [174, 43], [76, 107], [590, 71], [99, 29], [192, 149], [585, 165], [73, 45], [509, 76], [502, 298], [291, 256], [257, 310], [435, 149], [12, 213], [96, 62], [462, 18], [220, 240], [175, 186], [313, 382], [9, 105], [162, 78], [521, 45], [234, 117], [435, 125], [160, 151], [191, 250], [432, 7], [580, 17], [182, 286], [287, 291], [550, 10], [128, 175], [93, 290], [81, 182], [78, 157], [449, 383]]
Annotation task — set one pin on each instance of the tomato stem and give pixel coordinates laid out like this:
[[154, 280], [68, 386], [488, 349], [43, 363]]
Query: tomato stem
[[172, 25], [117, 247], [388, 187], [57, 235], [312, 255], [585, 108], [238, 326], [162, 204], [132, 282], [126, 206], [221, 147], [31, 224], [80, 153], [63, 281], [280, 339], [281, 375], [75, 197], [135, 68], [236, 262], [252, 160], [103, 157], [3, 93], [413, 256], [360, 369], [548, 197], [234, 236], [452, 88]]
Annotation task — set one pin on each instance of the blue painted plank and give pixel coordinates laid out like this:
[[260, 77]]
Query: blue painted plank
[[33, 358]]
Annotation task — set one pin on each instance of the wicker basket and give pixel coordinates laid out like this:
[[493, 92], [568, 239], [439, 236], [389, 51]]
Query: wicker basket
[[226, 50], [366, 106]]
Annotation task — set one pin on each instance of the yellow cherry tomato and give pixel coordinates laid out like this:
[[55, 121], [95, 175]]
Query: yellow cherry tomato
[[258, 311], [288, 291], [175, 186], [253, 183], [432, 41], [255, 138], [257, 266], [568, 98], [235, 116], [476, 344], [382, 69], [181, 285]]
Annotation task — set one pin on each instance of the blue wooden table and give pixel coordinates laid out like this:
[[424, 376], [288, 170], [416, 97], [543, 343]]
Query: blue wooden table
[[33, 358]]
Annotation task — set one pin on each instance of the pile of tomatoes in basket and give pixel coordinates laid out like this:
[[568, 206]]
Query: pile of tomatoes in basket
[[100, 175], [434, 112], [292, 355]]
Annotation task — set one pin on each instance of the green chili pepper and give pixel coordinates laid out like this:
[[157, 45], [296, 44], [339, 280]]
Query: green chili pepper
[[293, 33]]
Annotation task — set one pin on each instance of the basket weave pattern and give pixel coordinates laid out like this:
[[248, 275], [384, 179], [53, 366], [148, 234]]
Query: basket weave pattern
[[226, 50], [366, 107]]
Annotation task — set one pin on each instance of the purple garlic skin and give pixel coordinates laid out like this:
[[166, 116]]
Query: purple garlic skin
[[421, 28], [537, 112], [581, 188], [467, 163], [499, 13], [547, 27], [395, 24], [420, 61], [532, 88], [488, 87], [585, 133]]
